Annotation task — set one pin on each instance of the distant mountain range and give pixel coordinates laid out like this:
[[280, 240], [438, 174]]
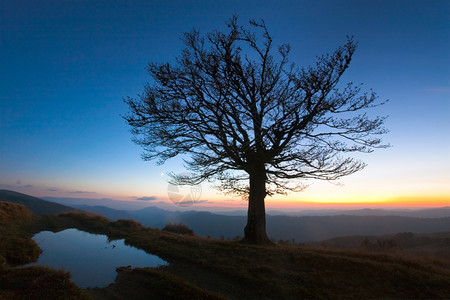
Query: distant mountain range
[[323, 225], [36, 205], [298, 228], [441, 212], [138, 205]]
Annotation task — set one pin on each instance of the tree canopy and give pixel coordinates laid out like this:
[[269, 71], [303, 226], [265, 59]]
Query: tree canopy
[[252, 120]]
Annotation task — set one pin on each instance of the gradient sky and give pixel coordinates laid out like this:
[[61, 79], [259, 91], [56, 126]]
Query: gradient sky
[[67, 65]]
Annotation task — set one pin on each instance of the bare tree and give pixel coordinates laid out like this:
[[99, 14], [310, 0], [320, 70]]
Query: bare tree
[[250, 119]]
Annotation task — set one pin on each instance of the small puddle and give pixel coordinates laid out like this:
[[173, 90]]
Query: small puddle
[[90, 258]]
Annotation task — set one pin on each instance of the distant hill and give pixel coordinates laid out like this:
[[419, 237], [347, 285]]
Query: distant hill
[[440, 212], [131, 206], [319, 225], [36, 205], [301, 229], [112, 214], [308, 229], [425, 245], [106, 202]]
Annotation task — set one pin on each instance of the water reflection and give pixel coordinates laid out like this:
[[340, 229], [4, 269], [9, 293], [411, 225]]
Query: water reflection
[[91, 259]]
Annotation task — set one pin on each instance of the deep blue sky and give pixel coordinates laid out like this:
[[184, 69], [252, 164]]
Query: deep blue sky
[[67, 65]]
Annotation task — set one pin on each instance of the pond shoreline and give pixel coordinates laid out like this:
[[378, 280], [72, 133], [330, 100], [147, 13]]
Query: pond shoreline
[[92, 259]]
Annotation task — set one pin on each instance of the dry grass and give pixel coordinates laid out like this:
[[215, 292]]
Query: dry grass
[[14, 212], [17, 247], [38, 283], [17, 224], [178, 228], [207, 268]]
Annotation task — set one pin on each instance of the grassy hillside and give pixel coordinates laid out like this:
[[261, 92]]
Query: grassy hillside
[[36, 205], [212, 269], [426, 245], [16, 244]]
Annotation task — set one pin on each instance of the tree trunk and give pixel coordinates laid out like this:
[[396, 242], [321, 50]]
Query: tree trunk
[[255, 231]]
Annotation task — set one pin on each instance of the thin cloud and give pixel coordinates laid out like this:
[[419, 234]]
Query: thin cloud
[[147, 198], [19, 185], [52, 190], [202, 201], [192, 202], [24, 187], [16, 186], [82, 192]]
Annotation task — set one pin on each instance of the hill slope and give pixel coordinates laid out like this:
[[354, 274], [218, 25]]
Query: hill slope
[[36, 205], [211, 269], [427, 245]]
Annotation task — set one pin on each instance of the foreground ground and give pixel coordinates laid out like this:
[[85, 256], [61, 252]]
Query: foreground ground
[[211, 269]]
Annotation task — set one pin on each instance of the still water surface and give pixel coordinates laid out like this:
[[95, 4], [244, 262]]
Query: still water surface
[[91, 258]]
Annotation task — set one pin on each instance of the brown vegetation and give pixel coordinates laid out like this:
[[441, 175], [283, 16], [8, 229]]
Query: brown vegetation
[[17, 248], [178, 228], [14, 212], [428, 246]]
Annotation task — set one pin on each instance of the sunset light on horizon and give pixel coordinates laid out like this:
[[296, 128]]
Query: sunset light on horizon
[[66, 67]]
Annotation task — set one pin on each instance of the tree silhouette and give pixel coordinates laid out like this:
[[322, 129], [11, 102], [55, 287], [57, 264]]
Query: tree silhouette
[[250, 119]]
